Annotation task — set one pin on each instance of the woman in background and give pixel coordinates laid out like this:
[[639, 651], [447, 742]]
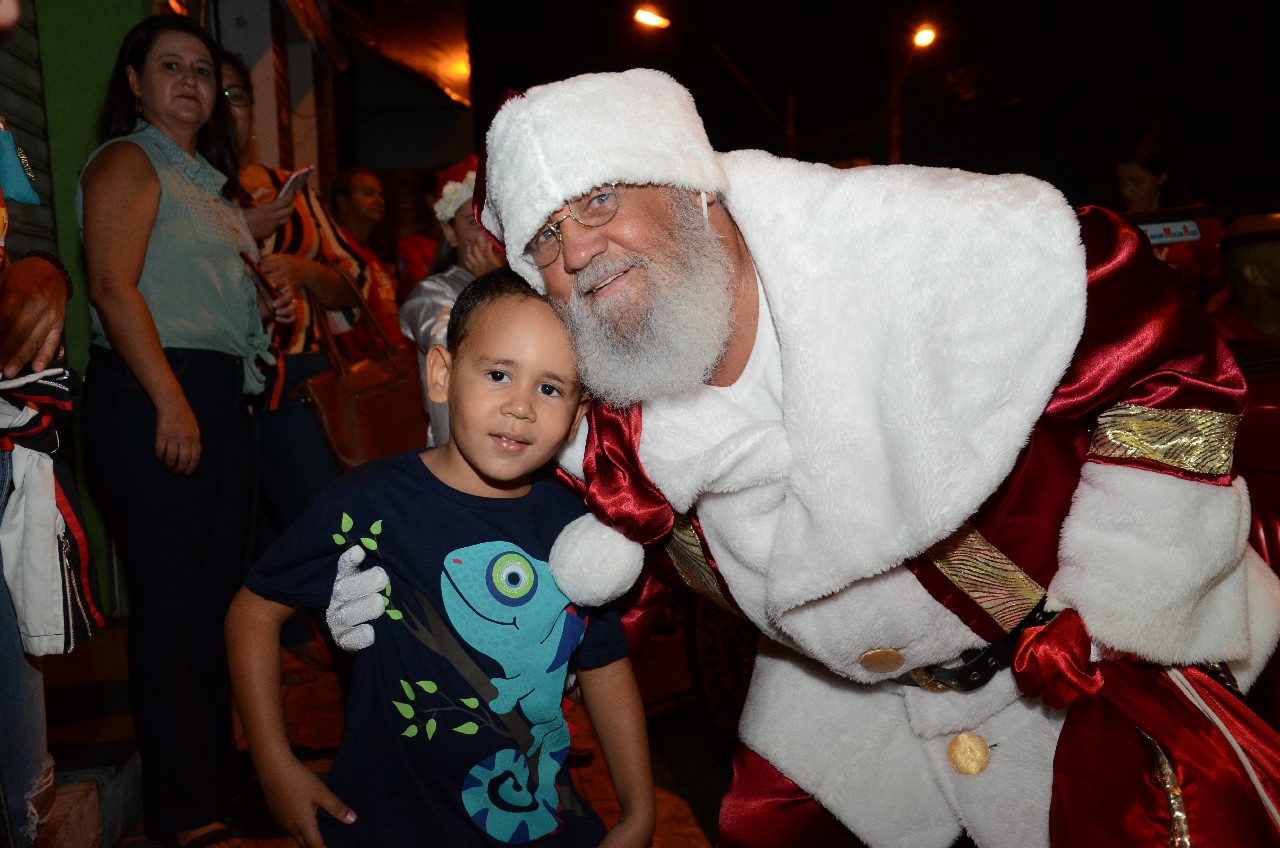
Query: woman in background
[[303, 255], [1147, 182], [466, 254], [177, 337]]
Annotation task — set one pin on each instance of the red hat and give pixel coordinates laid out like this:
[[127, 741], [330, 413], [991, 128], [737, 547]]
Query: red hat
[[454, 187], [477, 202], [456, 173]]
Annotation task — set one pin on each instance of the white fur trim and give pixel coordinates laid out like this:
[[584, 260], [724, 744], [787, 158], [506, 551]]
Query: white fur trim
[[910, 384], [562, 139], [1263, 595], [702, 442], [883, 771], [1154, 564], [573, 453], [453, 196], [594, 564]]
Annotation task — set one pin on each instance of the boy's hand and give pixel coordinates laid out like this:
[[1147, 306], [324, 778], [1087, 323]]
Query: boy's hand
[[294, 792], [356, 601]]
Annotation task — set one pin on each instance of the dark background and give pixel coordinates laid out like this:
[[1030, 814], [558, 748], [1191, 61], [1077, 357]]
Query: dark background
[[1048, 89]]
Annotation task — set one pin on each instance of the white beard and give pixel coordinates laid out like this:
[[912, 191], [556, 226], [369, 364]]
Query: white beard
[[669, 338]]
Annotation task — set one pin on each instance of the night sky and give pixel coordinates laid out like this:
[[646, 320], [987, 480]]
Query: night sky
[[1040, 88]]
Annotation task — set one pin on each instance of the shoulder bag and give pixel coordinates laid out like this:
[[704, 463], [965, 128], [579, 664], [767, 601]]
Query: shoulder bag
[[370, 406]]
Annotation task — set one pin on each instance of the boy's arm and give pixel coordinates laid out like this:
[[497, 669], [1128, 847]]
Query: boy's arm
[[291, 789], [613, 704]]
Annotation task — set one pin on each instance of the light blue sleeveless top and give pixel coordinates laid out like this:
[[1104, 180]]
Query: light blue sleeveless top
[[193, 279]]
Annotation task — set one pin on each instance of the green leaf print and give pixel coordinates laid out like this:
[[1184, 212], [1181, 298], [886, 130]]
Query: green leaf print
[[347, 523], [428, 686], [467, 729], [376, 527], [408, 690], [339, 539], [431, 727], [394, 615], [412, 731], [405, 710], [471, 702], [369, 543]]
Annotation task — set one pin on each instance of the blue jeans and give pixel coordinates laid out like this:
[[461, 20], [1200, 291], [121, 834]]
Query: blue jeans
[[25, 765]]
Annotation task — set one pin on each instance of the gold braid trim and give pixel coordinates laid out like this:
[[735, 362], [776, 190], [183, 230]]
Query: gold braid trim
[[685, 549], [1167, 780], [1195, 440], [987, 576]]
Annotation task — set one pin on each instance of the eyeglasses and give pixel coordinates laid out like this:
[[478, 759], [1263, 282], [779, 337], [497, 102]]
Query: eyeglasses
[[238, 95], [593, 209]]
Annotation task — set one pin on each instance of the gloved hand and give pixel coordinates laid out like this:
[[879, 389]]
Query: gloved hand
[[357, 599]]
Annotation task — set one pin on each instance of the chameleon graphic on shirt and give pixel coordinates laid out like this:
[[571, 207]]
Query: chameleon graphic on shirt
[[503, 603]]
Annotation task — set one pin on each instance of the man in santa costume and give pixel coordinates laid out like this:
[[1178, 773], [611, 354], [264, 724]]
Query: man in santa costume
[[962, 454]]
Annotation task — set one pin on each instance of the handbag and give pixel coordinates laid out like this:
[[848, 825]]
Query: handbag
[[368, 406]]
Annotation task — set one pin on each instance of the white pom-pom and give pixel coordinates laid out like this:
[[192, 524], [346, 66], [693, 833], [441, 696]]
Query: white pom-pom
[[594, 564]]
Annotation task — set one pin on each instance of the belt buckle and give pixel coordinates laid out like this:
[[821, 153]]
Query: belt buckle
[[925, 680]]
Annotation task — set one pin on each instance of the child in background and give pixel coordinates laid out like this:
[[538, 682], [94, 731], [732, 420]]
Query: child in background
[[454, 731]]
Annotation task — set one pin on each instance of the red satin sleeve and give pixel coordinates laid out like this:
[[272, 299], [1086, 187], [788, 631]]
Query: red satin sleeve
[[1145, 342]]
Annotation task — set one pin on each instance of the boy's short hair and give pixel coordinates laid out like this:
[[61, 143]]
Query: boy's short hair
[[483, 290]]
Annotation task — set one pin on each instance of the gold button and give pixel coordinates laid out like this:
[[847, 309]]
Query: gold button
[[882, 660], [969, 753]]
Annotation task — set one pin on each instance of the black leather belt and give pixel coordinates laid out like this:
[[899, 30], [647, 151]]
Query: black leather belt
[[977, 666]]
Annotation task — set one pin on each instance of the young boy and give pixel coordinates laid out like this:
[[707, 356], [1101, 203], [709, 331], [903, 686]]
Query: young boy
[[454, 732]]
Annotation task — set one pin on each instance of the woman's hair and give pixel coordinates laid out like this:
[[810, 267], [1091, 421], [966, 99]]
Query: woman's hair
[[446, 257], [1160, 158], [216, 139], [1146, 150], [236, 61]]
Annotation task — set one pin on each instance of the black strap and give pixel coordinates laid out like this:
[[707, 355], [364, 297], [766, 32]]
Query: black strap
[[332, 352], [977, 666]]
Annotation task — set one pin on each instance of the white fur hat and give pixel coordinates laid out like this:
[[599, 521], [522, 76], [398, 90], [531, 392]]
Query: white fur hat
[[562, 139]]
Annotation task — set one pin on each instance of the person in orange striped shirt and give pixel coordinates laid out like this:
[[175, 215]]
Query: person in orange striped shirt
[[309, 255]]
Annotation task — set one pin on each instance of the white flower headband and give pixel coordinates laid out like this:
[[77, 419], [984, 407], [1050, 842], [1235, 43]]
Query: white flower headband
[[453, 196]]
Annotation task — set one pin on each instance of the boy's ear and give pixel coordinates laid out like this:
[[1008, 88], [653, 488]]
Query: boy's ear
[[583, 402], [439, 365]]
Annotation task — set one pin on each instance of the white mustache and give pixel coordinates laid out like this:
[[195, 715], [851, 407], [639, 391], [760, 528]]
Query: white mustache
[[590, 277]]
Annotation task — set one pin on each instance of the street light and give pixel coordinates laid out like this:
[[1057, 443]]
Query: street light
[[650, 18], [923, 37]]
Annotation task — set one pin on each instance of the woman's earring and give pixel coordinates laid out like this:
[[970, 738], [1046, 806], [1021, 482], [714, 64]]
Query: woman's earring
[[137, 105]]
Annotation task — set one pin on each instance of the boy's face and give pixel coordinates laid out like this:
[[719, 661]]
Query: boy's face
[[513, 395]]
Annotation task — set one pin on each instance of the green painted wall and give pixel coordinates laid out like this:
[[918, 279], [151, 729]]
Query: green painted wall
[[78, 44]]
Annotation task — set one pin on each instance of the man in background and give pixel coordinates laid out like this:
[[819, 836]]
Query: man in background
[[358, 206]]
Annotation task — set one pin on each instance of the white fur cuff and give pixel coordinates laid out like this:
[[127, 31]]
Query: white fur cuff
[[1153, 564]]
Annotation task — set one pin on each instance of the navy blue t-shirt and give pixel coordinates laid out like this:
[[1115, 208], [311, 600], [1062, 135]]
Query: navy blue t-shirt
[[454, 731]]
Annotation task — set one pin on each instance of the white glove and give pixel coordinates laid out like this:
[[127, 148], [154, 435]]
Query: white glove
[[357, 599]]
